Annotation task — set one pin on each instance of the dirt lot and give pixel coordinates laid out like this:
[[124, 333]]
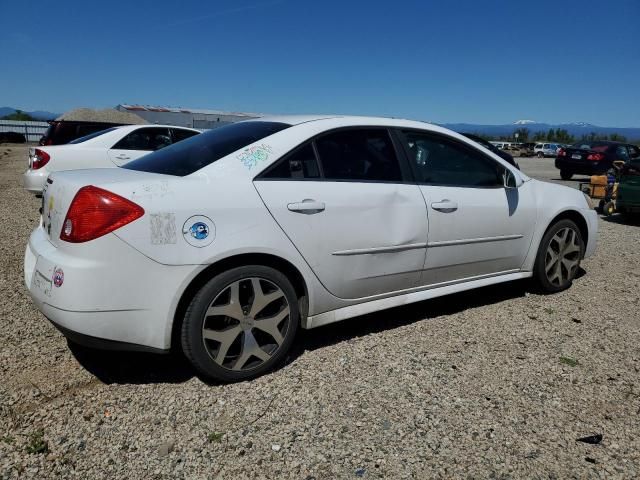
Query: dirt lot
[[498, 382]]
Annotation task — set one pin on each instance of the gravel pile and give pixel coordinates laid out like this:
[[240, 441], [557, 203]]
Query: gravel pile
[[498, 382], [109, 115]]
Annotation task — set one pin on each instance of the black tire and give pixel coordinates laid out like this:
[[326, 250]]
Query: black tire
[[565, 175], [600, 207], [198, 351], [540, 276], [609, 209], [540, 155]]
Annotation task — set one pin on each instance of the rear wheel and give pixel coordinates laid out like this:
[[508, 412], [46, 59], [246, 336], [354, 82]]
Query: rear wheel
[[565, 175], [241, 323], [559, 256], [609, 209]]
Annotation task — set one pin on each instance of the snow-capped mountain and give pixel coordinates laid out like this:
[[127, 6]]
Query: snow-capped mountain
[[524, 122]]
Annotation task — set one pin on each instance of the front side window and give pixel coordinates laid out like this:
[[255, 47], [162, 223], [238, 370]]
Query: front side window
[[148, 139], [441, 161], [358, 154], [634, 153]]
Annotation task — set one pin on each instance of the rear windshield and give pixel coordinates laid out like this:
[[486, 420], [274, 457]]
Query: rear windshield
[[92, 135], [595, 146], [190, 155]]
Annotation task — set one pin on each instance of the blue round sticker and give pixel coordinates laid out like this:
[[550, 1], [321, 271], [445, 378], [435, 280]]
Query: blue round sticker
[[199, 230]]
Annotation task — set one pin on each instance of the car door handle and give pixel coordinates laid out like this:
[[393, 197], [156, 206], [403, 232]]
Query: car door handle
[[306, 206], [445, 206], [122, 156]]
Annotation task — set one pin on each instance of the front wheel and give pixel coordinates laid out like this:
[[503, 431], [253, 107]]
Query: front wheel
[[565, 175], [241, 323], [559, 255], [540, 155]]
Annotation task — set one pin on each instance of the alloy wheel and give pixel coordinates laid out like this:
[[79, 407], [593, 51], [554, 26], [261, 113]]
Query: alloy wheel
[[562, 257], [246, 324]]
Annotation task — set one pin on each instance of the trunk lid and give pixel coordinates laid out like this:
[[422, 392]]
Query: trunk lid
[[61, 187]]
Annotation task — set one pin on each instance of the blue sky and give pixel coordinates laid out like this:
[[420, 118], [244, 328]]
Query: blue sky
[[444, 61]]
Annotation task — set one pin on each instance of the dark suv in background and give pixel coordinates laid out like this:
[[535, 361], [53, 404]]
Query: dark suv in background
[[61, 132], [593, 157]]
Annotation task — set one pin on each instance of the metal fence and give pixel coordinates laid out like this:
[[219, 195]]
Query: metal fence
[[31, 130]]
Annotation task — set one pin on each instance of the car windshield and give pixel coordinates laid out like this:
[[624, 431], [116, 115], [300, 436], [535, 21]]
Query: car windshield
[[190, 155], [595, 146], [92, 135]]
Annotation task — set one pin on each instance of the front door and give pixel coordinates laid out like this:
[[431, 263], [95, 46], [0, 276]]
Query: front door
[[356, 221], [477, 227]]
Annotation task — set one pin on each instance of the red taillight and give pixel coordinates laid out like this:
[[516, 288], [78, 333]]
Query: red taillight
[[94, 212], [40, 159], [595, 157], [562, 152]]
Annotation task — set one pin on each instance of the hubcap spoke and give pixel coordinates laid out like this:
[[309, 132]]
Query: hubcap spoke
[[232, 309], [224, 337], [260, 299], [250, 348], [270, 325]]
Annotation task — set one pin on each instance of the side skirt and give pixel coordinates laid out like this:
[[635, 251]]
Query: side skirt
[[404, 299]]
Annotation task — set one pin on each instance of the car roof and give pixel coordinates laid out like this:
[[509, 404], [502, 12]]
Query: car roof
[[352, 120], [147, 125]]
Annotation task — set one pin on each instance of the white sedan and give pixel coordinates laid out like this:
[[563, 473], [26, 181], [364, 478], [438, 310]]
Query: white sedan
[[225, 244], [112, 147]]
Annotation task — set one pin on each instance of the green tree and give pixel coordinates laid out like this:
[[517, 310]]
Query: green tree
[[538, 137], [19, 115], [616, 137], [551, 135], [523, 134]]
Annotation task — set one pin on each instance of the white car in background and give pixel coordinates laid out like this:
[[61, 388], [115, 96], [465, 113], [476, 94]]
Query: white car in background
[[225, 244], [112, 147]]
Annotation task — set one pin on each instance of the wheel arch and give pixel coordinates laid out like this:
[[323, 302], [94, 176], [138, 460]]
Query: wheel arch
[[574, 216], [278, 263]]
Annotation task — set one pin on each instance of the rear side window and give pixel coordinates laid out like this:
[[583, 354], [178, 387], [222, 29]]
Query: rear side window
[[440, 161], [299, 164], [179, 134], [192, 154], [148, 139], [359, 154]]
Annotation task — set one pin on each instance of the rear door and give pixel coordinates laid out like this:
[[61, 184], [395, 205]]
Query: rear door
[[138, 143], [347, 203], [477, 227]]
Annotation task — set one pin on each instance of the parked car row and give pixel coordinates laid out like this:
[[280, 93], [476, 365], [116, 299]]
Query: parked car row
[[112, 147], [224, 244], [593, 157]]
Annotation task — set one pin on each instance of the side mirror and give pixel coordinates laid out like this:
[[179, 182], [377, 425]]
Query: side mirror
[[510, 180]]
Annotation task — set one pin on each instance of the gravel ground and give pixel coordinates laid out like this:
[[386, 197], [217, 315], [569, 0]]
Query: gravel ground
[[498, 382]]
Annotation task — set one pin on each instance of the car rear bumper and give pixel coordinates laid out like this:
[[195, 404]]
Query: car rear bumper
[[34, 180], [108, 292]]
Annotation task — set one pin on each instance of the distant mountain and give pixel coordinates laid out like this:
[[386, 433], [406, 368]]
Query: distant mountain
[[576, 129], [38, 114]]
